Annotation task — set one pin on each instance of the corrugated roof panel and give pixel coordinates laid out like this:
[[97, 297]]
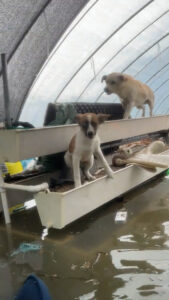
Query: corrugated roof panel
[[30, 31]]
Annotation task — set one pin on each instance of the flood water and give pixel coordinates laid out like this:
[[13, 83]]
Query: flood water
[[97, 257]]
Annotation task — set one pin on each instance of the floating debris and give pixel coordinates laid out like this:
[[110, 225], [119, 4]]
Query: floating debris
[[73, 267], [86, 265], [126, 238], [48, 275], [98, 256], [44, 233], [93, 281], [121, 216], [26, 247], [167, 174]]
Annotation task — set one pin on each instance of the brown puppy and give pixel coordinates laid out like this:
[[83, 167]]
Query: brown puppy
[[84, 145], [131, 92]]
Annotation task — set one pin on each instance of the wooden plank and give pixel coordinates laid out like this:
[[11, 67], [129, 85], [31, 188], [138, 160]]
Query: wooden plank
[[22, 144]]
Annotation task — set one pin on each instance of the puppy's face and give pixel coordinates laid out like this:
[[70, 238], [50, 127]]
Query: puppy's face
[[113, 81], [89, 123]]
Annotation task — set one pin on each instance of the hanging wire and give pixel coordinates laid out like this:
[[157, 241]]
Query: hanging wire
[[93, 66]]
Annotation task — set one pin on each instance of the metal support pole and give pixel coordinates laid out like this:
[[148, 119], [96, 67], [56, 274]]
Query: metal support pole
[[6, 91], [4, 200]]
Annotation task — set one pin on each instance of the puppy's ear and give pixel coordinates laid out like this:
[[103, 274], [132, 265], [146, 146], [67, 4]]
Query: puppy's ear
[[121, 78], [78, 118], [103, 117], [103, 78]]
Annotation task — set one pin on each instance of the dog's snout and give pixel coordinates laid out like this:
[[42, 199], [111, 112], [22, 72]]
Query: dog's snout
[[90, 134], [106, 90]]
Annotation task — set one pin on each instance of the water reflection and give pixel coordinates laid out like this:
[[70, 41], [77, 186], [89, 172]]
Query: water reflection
[[88, 296], [127, 238], [97, 257]]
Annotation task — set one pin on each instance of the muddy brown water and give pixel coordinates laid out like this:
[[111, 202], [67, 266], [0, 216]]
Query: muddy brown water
[[95, 257]]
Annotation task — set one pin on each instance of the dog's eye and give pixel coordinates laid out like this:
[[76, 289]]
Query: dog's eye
[[86, 124], [94, 124]]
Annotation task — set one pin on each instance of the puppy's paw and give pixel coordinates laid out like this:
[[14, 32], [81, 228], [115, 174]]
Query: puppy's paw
[[110, 174], [77, 184], [91, 177]]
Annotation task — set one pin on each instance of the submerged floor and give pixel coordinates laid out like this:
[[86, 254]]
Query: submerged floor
[[97, 257]]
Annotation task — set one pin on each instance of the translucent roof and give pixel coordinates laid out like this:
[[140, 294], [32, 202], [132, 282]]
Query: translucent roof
[[106, 36]]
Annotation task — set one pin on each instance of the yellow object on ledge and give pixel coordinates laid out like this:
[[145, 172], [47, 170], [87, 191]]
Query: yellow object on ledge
[[14, 168]]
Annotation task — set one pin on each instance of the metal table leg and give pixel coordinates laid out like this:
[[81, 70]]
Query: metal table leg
[[4, 200]]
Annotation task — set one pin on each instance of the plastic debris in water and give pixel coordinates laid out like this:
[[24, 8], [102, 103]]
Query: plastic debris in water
[[167, 174], [126, 238], [29, 204], [121, 216], [93, 281], [26, 247], [86, 265], [73, 267], [44, 233]]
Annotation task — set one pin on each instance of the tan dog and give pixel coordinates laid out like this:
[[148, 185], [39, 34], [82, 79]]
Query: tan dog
[[131, 92], [84, 145]]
